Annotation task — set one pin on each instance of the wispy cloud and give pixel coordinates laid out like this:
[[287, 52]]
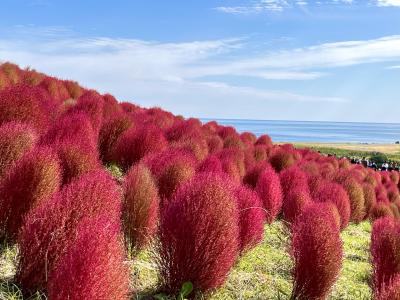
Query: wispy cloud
[[388, 3], [276, 6], [393, 67]]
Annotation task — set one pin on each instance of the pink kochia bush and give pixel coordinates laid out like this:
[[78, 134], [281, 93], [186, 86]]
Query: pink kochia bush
[[251, 218], [140, 207], [334, 193], [269, 190], [385, 245], [26, 104], [203, 249], [390, 291], [296, 194], [135, 143], [93, 264], [15, 140], [33, 179], [317, 251], [171, 169], [51, 226]]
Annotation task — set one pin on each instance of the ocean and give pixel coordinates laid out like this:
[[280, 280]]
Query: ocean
[[325, 132]]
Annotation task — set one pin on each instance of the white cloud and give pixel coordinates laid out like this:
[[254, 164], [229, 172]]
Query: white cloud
[[388, 3], [393, 67]]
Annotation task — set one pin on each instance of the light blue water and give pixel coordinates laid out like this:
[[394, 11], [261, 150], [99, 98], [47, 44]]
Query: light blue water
[[308, 131]]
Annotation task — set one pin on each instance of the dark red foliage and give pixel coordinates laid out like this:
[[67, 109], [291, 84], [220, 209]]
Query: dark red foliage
[[76, 160], [110, 131], [251, 218], [264, 140], [15, 140], [260, 153], [215, 144], [171, 168], [385, 245], [232, 161], [91, 104], [334, 193], [210, 164], [135, 143], [248, 138], [93, 265], [55, 88], [317, 251], [282, 158], [251, 177], [73, 88], [199, 250], [110, 107], [369, 196], [390, 291], [32, 180], [380, 210], [140, 207], [296, 194], [269, 189], [50, 227], [72, 127], [26, 104]]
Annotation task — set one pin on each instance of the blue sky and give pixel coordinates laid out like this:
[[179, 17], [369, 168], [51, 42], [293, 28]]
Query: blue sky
[[334, 60]]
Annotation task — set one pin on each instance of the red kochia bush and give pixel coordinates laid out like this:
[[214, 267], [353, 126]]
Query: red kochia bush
[[93, 264], [76, 160], [33, 179], [385, 245], [26, 104], [171, 168], [380, 210], [55, 88], [210, 164], [72, 127], [203, 249], [296, 194], [264, 140], [390, 291], [269, 189], [317, 252], [135, 143], [334, 193], [110, 131], [50, 227], [15, 140], [251, 218], [282, 158], [92, 104], [140, 207]]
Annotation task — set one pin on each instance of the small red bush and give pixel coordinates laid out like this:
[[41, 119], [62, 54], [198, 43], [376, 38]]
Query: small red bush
[[385, 245], [317, 251], [171, 168], [72, 127], [135, 143], [251, 218], [15, 140], [91, 104], [369, 196], [55, 88], [33, 179], [356, 196], [334, 193], [210, 164], [93, 265], [203, 249], [110, 131], [390, 291], [282, 158], [264, 140], [49, 228], [296, 194], [380, 210], [269, 189], [140, 207], [26, 104], [73, 88]]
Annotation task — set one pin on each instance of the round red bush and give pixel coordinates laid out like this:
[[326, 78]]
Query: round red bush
[[269, 189], [135, 143], [199, 250], [140, 207], [317, 251], [32, 180], [93, 266], [49, 228], [15, 140]]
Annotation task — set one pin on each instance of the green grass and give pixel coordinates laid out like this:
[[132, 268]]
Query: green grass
[[262, 273], [395, 157]]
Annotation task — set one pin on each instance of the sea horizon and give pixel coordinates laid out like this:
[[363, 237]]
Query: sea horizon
[[317, 131]]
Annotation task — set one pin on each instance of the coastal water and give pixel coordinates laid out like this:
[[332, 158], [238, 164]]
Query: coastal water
[[310, 131]]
